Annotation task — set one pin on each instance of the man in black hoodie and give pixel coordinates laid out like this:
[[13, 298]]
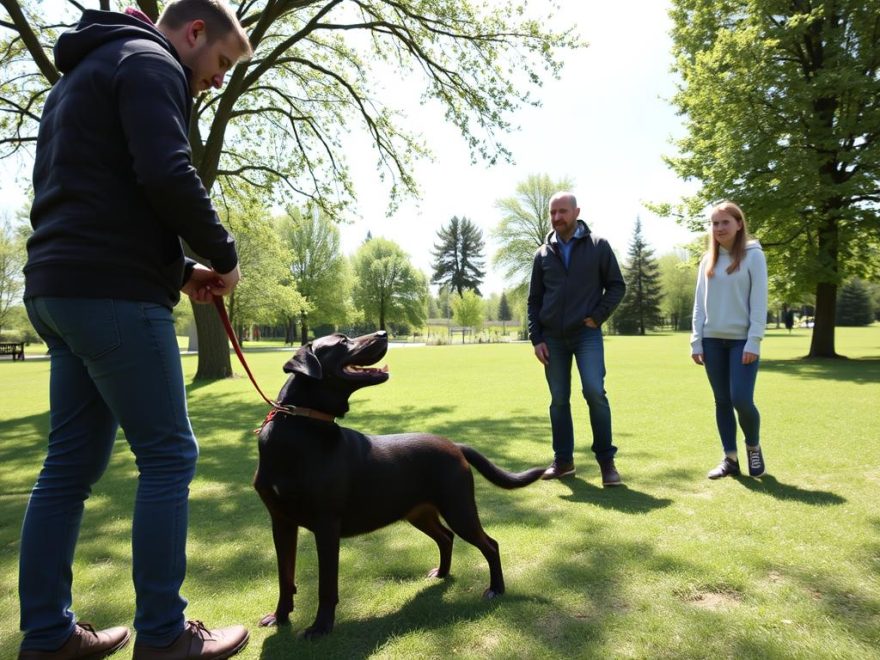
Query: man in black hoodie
[[575, 285], [115, 191]]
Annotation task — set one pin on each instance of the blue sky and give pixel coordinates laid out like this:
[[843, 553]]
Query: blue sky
[[605, 124]]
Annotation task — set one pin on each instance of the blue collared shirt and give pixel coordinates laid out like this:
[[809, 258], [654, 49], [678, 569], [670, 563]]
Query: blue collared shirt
[[565, 246]]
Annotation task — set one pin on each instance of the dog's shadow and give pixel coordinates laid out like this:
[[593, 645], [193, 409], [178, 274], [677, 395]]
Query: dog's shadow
[[619, 498], [428, 609]]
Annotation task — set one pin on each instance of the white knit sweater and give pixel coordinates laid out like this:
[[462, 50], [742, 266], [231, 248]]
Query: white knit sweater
[[732, 306]]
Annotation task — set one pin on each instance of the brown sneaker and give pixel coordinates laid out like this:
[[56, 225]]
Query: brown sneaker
[[84, 642], [196, 641], [559, 469], [610, 477]]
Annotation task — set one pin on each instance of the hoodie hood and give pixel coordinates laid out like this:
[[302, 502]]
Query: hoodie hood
[[580, 231], [754, 244], [96, 28]]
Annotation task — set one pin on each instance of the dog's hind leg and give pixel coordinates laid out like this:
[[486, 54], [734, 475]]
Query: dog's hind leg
[[426, 519], [284, 534], [462, 517]]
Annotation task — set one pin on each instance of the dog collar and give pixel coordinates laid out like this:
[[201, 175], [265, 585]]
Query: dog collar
[[304, 412], [297, 411]]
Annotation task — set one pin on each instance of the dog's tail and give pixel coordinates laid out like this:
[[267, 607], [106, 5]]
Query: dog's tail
[[495, 474]]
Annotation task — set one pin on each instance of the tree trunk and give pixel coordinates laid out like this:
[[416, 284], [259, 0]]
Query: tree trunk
[[214, 362], [303, 332], [822, 342]]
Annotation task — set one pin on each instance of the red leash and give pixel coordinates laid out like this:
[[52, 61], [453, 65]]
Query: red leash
[[221, 310], [276, 407]]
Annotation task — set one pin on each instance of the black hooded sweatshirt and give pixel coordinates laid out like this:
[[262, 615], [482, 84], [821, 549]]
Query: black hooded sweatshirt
[[561, 297], [114, 185]]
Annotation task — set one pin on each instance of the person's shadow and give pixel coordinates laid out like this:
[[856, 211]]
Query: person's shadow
[[620, 498], [771, 486]]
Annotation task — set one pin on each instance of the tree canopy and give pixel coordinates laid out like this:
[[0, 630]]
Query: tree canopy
[[282, 121], [318, 267], [468, 310], [524, 225], [388, 288], [458, 256], [780, 106]]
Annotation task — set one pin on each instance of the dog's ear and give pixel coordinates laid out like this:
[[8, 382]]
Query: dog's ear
[[305, 362]]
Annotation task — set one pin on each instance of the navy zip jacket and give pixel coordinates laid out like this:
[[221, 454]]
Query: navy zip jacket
[[561, 298], [114, 185]]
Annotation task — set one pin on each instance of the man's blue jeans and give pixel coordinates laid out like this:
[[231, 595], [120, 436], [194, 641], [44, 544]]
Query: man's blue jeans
[[733, 384], [587, 349], [113, 363]]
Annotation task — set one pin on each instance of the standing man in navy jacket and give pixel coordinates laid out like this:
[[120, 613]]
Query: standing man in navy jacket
[[115, 191], [576, 284]]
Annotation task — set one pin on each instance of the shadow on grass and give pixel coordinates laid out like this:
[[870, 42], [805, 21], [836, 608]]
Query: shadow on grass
[[428, 610], [619, 498], [862, 371], [769, 485]]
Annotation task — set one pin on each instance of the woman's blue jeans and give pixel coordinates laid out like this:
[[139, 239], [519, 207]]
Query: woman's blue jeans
[[112, 363], [733, 384], [588, 352]]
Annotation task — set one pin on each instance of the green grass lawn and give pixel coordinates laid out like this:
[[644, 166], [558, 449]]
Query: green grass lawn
[[672, 566]]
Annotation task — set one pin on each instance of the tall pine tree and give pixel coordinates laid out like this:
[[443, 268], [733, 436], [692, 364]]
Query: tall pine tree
[[640, 309], [458, 256]]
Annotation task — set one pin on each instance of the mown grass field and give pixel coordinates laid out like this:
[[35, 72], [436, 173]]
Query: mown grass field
[[672, 566]]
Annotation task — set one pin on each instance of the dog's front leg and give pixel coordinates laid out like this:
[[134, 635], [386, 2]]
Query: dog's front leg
[[284, 534], [327, 542]]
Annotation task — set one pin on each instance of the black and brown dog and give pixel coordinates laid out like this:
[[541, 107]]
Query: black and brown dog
[[338, 482]]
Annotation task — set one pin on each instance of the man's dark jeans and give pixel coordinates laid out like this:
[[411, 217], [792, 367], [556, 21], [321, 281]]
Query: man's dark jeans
[[588, 352]]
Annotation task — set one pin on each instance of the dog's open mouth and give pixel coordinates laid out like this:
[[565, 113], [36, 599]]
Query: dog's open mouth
[[357, 370]]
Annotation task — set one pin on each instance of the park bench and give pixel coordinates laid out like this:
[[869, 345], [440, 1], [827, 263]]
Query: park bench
[[15, 349]]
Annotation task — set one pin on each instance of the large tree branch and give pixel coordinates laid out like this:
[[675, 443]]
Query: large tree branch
[[41, 59]]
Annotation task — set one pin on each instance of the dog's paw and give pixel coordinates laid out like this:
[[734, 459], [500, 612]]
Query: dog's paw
[[436, 573], [490, 593], [273, 619]]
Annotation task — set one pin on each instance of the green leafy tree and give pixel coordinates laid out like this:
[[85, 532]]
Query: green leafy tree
[[639, 310], [388, 288], [282, 120], [854, 305], [780, 105], [525, 222], [468, 310], [268, 295], [458, 256], [678, 279], [12, 259], [319, 269]]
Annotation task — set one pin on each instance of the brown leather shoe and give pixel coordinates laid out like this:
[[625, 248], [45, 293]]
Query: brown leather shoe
[[610, 477], [84, 642], [558, 469], [196, 641]]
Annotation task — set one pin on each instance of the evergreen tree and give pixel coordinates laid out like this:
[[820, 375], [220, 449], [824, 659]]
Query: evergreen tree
[[854, 304], [504, 313], [458, 256], [640, 308]]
